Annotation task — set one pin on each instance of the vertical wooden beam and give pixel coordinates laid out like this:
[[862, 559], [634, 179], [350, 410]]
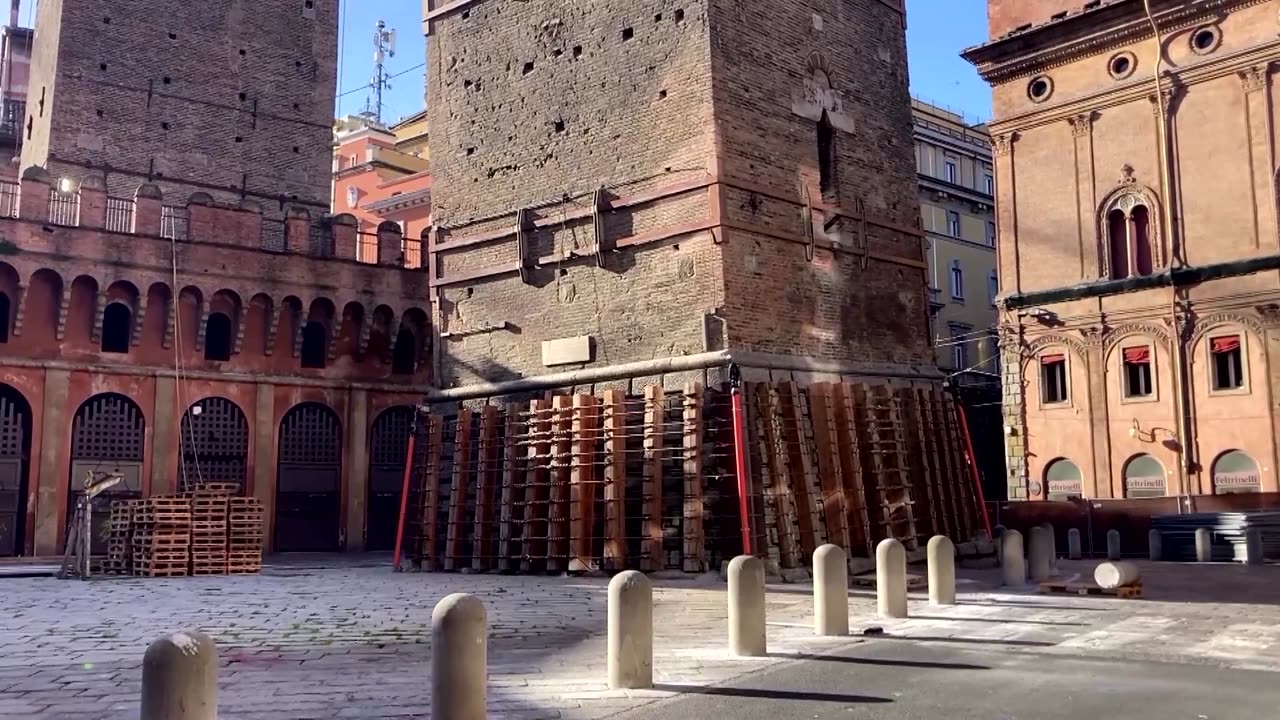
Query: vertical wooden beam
[[917, 463], [851, 449], [929, 459], [902, 500], [482, 548], [695, 547], [507, 542], [950, 472], [535, 489], [778, 491], [835, 510], [582, 495], [561, 468], [615, 480], [965, 495], [430, 518], [651, 545], [792, 441], [458, 491]]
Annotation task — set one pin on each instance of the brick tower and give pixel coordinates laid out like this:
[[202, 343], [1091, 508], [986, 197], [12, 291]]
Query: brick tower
[[619, 182], [226, 97]]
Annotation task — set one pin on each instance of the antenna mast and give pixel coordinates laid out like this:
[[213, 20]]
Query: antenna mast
[[384, 46]]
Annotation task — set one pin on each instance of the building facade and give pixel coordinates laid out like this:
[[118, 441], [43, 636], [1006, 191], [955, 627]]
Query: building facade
[[382, 174], [191, 97], [15, 67], [639, 181], [957, 212], [1138, 245], [178, 308]]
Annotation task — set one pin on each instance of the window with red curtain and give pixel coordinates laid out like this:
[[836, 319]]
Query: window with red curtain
[[1053, 378], [1137, 371], [1225, 344], [1227, 362]]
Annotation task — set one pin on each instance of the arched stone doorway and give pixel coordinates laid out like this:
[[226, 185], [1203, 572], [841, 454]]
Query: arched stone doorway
[[1235, 472], [1144, 477], [215, 444], [308, 480], [388, 443], [15, 456], [107, 435]]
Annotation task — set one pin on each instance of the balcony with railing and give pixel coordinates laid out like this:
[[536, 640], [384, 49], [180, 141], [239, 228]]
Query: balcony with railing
[[10, 195], [64, 208], [119, 216], [174, 223]]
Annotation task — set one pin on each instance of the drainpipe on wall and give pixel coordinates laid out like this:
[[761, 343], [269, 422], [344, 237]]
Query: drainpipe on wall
[[1180, 400]]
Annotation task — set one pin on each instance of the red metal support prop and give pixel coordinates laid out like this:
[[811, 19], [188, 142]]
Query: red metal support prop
[[973, 464], [740, 455], [404, 492]]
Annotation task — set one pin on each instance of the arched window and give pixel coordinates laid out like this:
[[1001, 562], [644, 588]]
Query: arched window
[[1141, 240], [1144, 477], [117, 324], [1235, 472], [315, 343], [826, 155], [1063, 480], [404, 358], [1129, 230], [217, 337], [1118, 244], [4, 318]]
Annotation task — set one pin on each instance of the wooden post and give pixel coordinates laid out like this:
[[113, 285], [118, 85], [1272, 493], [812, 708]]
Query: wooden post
[[615, 480], [848, 441], [918, 462], [535, 489], [951, 471], [586, 418], [694, 539], [651, 545], [933, 469], [778, 493], [561, 467], [800, 469], [482, 549], [965, 495], [895, 483], [458, 490], [434, 433], [834, 507], [507, 542]]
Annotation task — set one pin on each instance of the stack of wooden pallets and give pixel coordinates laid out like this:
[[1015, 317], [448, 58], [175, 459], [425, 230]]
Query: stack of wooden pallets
[[119, 542], [244, 535], [161, 541], [209, 532]]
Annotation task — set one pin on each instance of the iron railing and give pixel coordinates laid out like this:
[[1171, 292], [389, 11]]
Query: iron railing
[[64, 208], [119, 215], [174, 223], [10, 193]]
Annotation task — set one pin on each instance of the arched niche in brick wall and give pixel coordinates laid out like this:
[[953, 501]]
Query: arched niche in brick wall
[[42, 307], [350, 327], [258, 321], [155, 324], [82, 311], [189, 319], [9, 295]]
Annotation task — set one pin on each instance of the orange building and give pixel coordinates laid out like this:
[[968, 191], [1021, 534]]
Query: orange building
[[380, 175]]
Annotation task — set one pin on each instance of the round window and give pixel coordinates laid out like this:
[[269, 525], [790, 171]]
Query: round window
[[1205, 40], [1040, 88], [1122, 65]]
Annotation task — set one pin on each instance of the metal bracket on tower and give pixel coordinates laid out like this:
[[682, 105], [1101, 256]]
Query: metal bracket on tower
[[861, 209], [810, 241], [523, 227], [599, 204]]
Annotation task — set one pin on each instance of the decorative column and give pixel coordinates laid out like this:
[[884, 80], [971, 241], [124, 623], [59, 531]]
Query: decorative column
[[356, 455], [1006, 214], [1086, 194], [1099, 415], [1257, 113], [1013, 406]]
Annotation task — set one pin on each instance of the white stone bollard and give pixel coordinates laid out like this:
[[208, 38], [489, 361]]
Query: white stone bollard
[[180, 678], [1204, 545], [941, 554], [1014, 564], [1253, 546], [1111, 575], [459, 658], [1073, 544], [1113, 544], [630, 628], [747, 634], [1155, 545], [830, 591], [891, 579], [1038, 554]]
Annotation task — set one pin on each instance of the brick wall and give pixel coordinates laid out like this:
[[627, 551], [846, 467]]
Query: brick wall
[[225, 97], [1006, 15]]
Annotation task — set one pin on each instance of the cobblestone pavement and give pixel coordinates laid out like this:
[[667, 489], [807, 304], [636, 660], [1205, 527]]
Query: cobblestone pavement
[[348, 638]]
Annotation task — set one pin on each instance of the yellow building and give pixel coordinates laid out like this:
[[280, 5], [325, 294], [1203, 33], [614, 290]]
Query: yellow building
[[957, 186]]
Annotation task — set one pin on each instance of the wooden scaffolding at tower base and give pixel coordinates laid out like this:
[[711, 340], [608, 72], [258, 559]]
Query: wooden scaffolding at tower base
[[580, 482]]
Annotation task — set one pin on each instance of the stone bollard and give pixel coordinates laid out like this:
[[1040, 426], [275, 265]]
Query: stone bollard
[[747, 635], [1204, 545], [1253, 546], [830, 591], [997, 537], [1014, 564], [941, 554], [1155, 545], [1113, 544], [891, 579], [1073, 544], [459, 658], [180, 678], [1038, 554], [630, 628]]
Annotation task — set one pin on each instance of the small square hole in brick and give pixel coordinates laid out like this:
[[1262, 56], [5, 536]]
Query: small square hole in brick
[[102, 67], [297, 149], [309, 4], [164, 126], [657, 18], [662, 94], [680, 15], [166, 80], [106, 21], [559, 125], [239, 139], [99, 113], [242, 53], [471, 151], [173, 36], [244, 96], [528, 68], [628, 33], [577, 51]]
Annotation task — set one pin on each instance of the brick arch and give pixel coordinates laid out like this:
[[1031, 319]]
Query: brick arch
[[228, 305], [156, 325], [189, 314], [117, 321], [287, 334], [41, 320], [410, 342], [10, 297], [346, 340], [379, 335], [81, 310], [258, 326]]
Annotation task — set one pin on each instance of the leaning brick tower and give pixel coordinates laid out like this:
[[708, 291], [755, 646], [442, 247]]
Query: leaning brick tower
[[623, 181], [230, 98]]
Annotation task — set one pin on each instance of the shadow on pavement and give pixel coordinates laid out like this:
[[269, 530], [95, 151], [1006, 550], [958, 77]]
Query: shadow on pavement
[[974, 641], [931, 665], [997, 620], [771, 694], [1046, 606]]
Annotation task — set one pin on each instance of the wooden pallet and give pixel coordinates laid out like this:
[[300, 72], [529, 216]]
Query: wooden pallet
[[1057, 587], [160, 569], [868, 580]]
